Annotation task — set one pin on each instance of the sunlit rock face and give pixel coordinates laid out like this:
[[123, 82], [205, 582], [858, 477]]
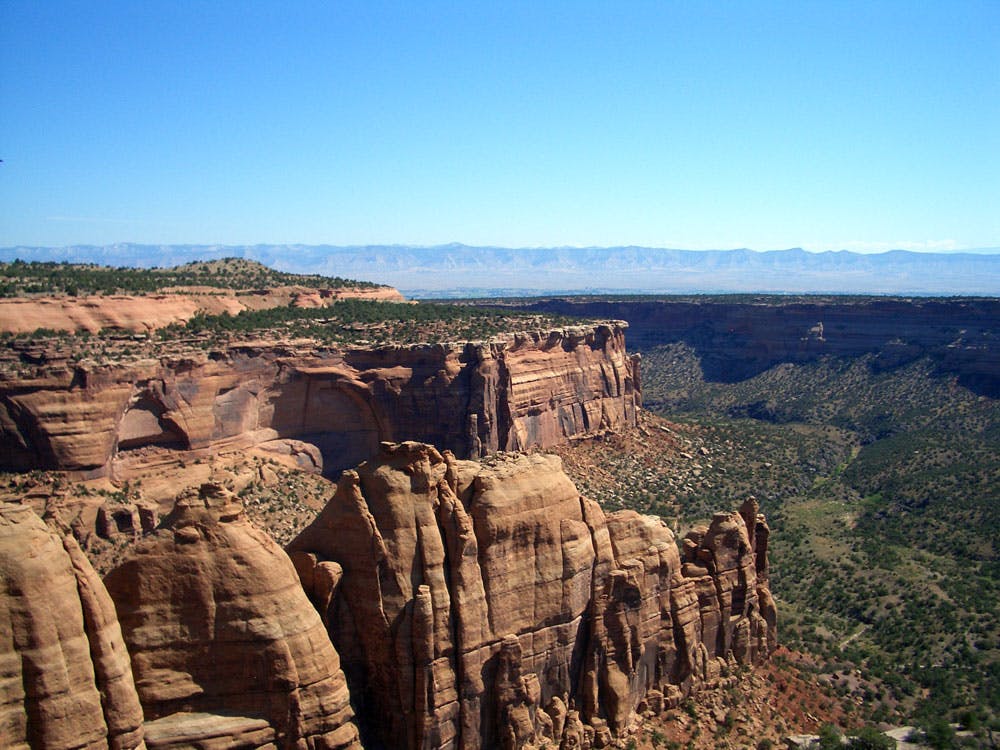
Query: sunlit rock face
[[151, 311], [65, 677], [225, 645], [489, 605], [523, 391]]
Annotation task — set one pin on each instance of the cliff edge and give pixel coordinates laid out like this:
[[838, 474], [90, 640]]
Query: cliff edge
[[490, 605], [526, 390]]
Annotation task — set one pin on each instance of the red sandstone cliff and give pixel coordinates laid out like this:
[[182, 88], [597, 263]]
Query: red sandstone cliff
[[151, 311], [473, 605], [529, 390], [489, 605]]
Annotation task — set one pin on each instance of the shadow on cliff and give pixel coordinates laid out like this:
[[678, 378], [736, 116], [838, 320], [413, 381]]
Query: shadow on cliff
[[738, 340]]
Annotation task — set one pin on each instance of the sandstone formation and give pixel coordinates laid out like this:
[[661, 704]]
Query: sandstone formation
[[487, 604], [527, 390], [65, 678], [226, 649], [152, 311]]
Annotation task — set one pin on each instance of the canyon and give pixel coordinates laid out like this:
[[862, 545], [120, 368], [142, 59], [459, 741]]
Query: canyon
[[329, 406], [438, 579], [434, 603], [736, 338]]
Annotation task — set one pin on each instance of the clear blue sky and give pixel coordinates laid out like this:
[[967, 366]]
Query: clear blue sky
[[826, 125]]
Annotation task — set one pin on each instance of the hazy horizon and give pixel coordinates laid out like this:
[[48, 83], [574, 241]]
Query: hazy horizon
[[220, 245], [461, 270]]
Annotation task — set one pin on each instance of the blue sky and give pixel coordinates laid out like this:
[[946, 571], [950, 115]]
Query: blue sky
[[826, 125]]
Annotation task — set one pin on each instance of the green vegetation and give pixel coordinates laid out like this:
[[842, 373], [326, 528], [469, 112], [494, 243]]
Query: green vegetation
[[883, 491], [869, 738], [20, 278], [348, 322], [365, 321]]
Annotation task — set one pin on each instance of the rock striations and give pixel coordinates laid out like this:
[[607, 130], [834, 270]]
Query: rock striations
[[225, 646], [226, 650], [151, 311], [738, 339], [65, 677], [446, 603], [488, 605], [529, 390]]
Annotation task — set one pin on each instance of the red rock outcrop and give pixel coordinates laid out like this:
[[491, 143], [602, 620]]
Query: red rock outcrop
[[528, 390], [489, 605], [226, 648], [151, 311], [65, 678]]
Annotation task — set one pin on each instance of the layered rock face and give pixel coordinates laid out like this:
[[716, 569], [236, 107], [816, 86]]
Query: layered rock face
[[226, 649], [151, 311], [65, 677], [489, 605], [530, 390]]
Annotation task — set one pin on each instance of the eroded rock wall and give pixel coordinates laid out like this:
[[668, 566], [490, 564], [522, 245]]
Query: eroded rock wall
[[736, 340], [489, 605], [529, 390], [472, 604]]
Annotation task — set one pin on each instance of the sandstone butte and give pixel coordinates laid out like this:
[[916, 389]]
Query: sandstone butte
[[482, 605], [65, 678], [151, 311], [528, 390], [473, 605]]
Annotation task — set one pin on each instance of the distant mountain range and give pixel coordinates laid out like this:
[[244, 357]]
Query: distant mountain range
[[460, 270]]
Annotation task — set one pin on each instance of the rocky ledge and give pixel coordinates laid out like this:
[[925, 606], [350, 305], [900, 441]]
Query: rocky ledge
[[132, 312], [527, 390]]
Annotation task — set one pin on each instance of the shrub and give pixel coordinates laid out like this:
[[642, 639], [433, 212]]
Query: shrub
[[869, 738]]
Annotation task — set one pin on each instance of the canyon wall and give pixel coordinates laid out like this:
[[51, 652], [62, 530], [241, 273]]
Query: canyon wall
[[148, 312], [527, 390], [739, 339], [489, 605]]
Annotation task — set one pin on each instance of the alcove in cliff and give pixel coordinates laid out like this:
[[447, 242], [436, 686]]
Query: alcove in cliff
[[341, 426], [145, 423], [331, 415]]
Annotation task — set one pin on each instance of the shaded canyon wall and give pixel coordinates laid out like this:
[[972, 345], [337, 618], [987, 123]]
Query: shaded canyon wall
[[737, 340]]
